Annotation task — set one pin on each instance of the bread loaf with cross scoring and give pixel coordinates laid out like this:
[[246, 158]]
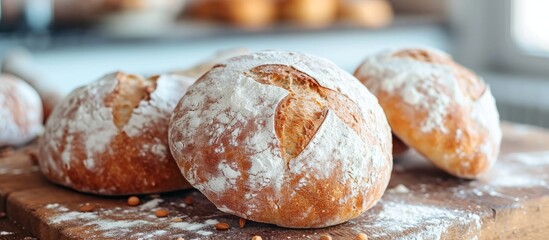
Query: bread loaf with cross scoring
[[283, 138]]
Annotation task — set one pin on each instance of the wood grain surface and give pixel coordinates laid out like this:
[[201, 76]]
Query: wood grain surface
[[511, 202]]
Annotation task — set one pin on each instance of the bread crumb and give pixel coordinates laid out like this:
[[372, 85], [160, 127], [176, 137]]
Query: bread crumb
[[361, 236], [325, 237], [222, 226], [133, 201], [188, 200], [86, 208], [242, 222], [161, 213]]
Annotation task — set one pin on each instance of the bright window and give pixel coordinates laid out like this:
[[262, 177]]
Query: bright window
[[530, 25]]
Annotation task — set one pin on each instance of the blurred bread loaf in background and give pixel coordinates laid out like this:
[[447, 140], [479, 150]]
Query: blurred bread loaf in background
[[308, 13]]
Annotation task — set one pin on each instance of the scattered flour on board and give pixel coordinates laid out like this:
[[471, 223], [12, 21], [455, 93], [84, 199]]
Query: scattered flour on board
[[530, 158], [516, 170], [509, 172], [399, 189], [127, 222], [420, 221], [151, 204]]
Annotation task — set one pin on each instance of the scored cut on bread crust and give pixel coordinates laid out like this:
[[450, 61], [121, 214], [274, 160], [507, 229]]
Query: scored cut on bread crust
[[20, 111], [283, 138], [110, 137], [436, 106]]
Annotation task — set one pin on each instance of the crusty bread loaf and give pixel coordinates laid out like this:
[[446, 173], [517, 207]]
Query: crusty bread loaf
[[201, 68], [20, 111], [19, 63], [110, 137], [243, 13], [368, 13], [436, 106], [283, 138], [313, 13]]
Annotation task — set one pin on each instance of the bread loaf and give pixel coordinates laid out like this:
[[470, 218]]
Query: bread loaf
[[283, 138], [436, 106], [20, 111], [110, 137]]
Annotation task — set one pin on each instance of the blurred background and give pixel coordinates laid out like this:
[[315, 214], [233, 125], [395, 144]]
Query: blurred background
[[61, 44]]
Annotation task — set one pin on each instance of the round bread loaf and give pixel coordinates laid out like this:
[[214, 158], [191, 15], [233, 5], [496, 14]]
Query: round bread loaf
[[110, 137], [19, 63], [436, 106], [283, 138], [20, 111], [312, 13]]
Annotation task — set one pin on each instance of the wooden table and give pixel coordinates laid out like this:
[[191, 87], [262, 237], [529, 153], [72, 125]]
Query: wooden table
[[511, 202]]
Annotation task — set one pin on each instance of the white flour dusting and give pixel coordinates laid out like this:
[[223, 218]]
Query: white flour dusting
[[509, 172], [84, 122], [236, 101], [429, 92], [18, 130], [151, 204], [127, 222], [529, 158], [17, 171], [484, 112], [419, 221], [417, 82], [514, 171], [399, 189]]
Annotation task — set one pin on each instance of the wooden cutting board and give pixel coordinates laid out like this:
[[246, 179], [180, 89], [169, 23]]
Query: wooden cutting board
[[511, 202]]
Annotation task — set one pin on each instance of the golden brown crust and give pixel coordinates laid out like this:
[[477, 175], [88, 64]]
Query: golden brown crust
[[301, 113], [314, 13], [368, 13], [271, 137], [438, 107], [110, 138], [244, 13]]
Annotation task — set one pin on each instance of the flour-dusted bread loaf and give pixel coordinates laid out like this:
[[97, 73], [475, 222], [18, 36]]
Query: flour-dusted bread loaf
[[19, 63], [368, 13], [201, 68], [436, 106], [111, 136], [313, 13], [20, 111], [283, 138]]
